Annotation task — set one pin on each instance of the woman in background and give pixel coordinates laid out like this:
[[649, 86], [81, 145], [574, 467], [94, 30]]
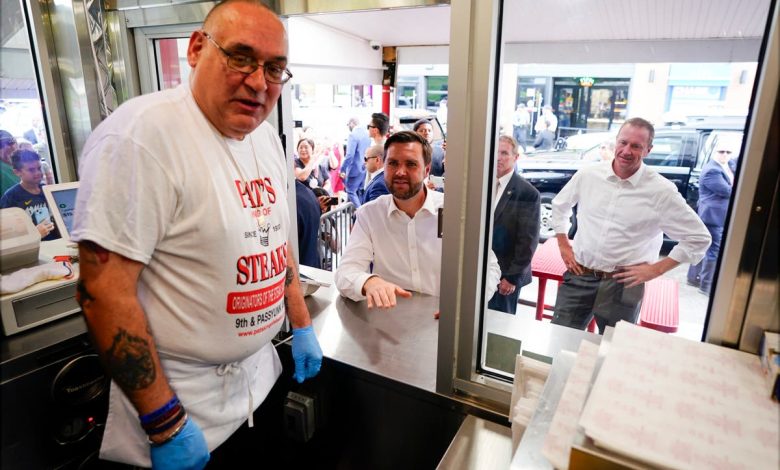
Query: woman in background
[[307, 166]]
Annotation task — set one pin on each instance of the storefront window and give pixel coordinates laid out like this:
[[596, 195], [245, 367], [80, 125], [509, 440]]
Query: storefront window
[[22, 114], [558, 119]]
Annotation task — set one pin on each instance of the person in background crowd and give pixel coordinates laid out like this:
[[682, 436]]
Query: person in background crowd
[[715, 184], [375, 185], [545, 138], [24, 144], [172, 256], [8, 146], [378, 127], [516, 220], [335, 156], [521, 123], [36, 133], [329, 232], [425, 129], [547, 120], [28, 195], [353, 170], [308, 210], [308, 167], [606, 270]]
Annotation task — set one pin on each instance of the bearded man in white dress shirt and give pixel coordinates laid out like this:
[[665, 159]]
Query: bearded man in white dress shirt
[[381, 235], [624, 208], [394, 246]]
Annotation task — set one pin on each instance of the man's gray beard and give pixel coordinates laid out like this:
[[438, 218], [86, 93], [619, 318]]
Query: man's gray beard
[[413, 190]]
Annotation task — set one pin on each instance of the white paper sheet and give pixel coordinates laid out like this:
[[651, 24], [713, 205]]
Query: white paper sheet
[[682, 404], [557, 444]]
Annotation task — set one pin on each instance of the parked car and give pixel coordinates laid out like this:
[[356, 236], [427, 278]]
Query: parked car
[[678, 153]]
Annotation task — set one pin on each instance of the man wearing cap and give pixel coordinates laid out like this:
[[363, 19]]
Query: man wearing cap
[[186, 274], [7, 147]]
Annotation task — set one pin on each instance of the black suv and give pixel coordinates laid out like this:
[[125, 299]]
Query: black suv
[[679, 153]]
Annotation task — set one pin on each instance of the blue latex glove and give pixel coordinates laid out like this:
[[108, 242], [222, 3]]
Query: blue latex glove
[[188, 450], [306, 353]]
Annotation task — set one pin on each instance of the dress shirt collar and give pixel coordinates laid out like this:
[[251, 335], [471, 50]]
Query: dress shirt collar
[[633, 180], [504, 180], [429, 204], [373, 174]]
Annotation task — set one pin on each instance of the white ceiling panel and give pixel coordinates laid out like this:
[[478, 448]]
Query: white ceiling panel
[[567, 21]]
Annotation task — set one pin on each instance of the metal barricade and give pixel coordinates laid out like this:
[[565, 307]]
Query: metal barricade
[[335, 226]]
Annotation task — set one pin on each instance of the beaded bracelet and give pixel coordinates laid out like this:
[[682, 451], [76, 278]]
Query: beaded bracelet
[[175, 433]]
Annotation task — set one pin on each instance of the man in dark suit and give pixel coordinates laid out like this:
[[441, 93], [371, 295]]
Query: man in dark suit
[[515, 227], [545, 139], [375, 174], [715, 183]]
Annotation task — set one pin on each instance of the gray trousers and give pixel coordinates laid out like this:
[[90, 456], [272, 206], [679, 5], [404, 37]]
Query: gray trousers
[[580, 298]]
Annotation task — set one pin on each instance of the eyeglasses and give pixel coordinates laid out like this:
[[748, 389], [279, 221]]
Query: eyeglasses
[[727, 152], [370, 127], [272, 73], [365, 159]]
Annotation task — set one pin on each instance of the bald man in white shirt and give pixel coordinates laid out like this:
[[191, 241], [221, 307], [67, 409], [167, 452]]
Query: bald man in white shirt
[[624, 208]]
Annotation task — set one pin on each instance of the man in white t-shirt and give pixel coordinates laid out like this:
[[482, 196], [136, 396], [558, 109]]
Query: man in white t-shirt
[[182, 224]]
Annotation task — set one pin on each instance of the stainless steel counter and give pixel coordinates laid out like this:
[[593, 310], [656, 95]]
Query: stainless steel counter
[[398, 343], [401, 343]]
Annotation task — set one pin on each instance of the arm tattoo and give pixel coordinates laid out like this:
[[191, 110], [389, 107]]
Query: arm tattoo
[[83, 297], [288, 279], [130, 361]]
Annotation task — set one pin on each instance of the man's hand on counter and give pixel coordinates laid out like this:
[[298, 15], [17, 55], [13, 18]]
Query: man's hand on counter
[[380, 293]]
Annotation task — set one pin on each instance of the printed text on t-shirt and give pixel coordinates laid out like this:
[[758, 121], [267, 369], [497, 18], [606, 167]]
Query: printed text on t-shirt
[[252, 193]]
